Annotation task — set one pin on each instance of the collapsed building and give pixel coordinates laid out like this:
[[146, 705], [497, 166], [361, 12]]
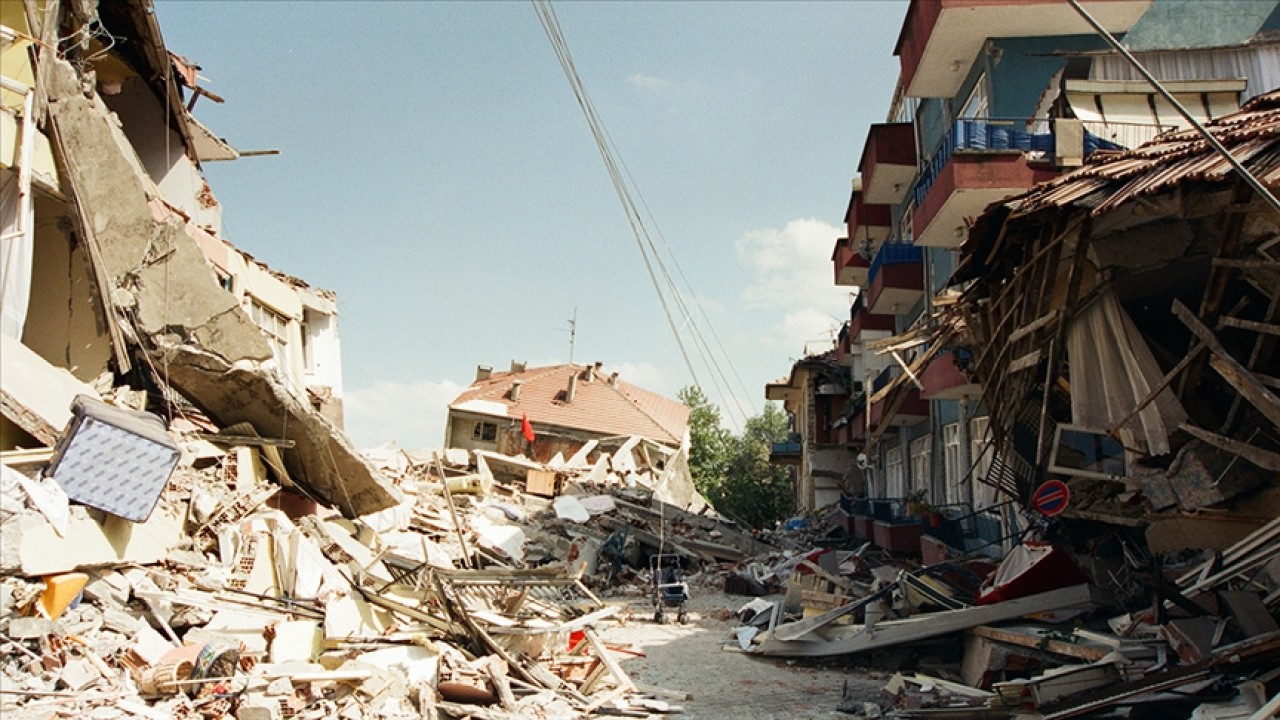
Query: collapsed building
[[185, 530], [1122, 320], [115, 267], [549, 414]]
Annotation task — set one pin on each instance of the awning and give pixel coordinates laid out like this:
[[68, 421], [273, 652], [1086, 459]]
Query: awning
[[1130, 113]]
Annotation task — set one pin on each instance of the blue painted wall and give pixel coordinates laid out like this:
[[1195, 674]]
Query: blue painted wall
[[1020, 68], [1183, 24]]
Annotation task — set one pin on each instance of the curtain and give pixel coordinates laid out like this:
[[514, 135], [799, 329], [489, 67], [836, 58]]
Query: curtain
[[16, 252], [1112, 370]]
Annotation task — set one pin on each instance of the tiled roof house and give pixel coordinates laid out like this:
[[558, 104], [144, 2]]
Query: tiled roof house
[[566, 405]]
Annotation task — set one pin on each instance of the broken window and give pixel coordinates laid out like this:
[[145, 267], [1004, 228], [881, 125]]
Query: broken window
[[976, 106], [485, 432], [276, 326], [980, 454]]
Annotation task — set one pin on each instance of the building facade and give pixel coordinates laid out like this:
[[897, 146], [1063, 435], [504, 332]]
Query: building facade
[[993, 98]]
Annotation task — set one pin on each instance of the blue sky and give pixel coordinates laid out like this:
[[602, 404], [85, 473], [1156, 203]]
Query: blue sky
[[436, 172]]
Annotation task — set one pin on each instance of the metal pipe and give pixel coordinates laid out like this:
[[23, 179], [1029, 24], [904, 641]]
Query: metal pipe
[[1208, 136]]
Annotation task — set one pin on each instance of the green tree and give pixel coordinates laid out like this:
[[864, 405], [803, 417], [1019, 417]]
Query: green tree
[[733, 472], [709, 442], [756, 491]]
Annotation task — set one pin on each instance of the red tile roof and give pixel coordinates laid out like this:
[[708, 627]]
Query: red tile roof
[[597, 405]]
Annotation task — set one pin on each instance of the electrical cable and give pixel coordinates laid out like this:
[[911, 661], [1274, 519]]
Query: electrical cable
[[625, 187]]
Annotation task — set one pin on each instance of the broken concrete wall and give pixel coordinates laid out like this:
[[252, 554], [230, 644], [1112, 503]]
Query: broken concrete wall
[[65, 324], [161, 150], [323, 460], [162, 282]]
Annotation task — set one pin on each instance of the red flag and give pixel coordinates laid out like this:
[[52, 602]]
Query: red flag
[[526, 427]]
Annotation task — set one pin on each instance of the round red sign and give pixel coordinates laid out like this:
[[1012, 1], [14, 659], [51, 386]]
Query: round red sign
[[1051, 498]]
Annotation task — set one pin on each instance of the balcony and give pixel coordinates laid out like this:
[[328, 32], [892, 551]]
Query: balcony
[[856, 428], [844, 347], [851, 267], [914, 409], [896, 279], [944, 380], [940, 39], [861, 319], [868, 224], [888, 164], [786, 453], [979, 162]]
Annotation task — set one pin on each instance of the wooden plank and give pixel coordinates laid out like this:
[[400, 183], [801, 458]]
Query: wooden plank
[[1265, 459], [1034, 325], [250, 440], [1271, 265], [1021, 638], [1248, 610], [623, 679], [797, 630], [453, 514], [907, 369], [1229, 368], [1029, 360], [1261, 327], [842, 640], [500, 683], [1247, 385]]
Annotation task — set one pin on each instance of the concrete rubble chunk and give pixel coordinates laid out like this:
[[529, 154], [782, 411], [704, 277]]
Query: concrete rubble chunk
[[213, 351]]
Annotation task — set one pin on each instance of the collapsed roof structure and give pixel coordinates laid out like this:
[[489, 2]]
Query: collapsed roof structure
[[1124, 318]]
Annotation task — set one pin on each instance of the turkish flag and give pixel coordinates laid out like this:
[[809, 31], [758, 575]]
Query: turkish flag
[[526, 427]]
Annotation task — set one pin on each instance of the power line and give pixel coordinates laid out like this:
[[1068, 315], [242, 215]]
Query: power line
[[624, 186]]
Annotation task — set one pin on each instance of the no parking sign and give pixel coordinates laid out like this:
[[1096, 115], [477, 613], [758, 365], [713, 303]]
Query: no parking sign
[[1051, 498]]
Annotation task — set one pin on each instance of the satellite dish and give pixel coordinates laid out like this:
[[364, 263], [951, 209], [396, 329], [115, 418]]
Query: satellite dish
[[863, 461]]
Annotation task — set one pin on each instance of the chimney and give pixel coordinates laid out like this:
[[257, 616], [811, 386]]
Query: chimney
[[483, 372], [572, 389], [613, 380], [517, 367], [595, 371], [515, 389]]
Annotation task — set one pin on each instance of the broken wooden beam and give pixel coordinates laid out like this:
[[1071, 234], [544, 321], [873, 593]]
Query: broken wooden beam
[[848, 639]]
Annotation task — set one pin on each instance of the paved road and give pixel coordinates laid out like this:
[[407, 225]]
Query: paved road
[[725, 684]]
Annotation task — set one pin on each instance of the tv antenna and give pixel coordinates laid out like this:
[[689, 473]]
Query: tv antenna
[[573, 332]]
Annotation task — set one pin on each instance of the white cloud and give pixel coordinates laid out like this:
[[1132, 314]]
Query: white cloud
[[792, 267], [412, 415], [649, 377], [792, 292], [648, 81], [808, 329]]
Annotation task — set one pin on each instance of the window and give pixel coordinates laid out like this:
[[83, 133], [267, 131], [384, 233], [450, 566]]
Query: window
[[1083, 453], [308, 351], [922, 464], [894, 485], [980, 454], [975, 108], [485, 432], [276, 326], [951, 461]]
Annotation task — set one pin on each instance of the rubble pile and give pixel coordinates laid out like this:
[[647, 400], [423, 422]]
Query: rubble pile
[[1045, 633], [232, 594]]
